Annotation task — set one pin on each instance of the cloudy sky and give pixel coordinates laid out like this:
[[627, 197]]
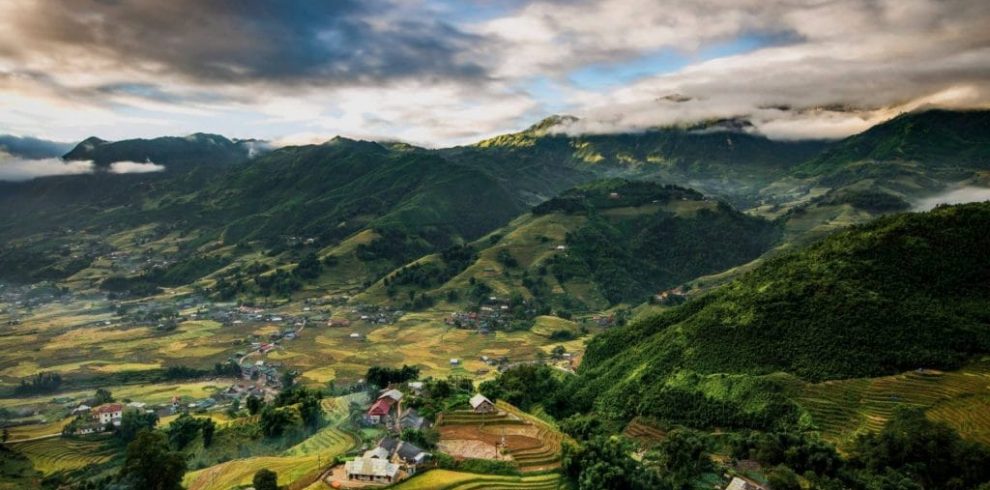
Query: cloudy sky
[[443, 72]]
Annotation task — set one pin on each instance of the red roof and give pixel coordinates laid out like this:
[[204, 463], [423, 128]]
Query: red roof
[[109, 408], [381, 407]]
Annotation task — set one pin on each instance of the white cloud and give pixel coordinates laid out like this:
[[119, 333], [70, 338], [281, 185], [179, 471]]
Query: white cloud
[[19, 169], [835, 67], [128, 167], [954, 196]]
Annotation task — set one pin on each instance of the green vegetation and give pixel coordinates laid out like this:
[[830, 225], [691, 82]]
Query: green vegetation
[[629, 259], [150, 463]]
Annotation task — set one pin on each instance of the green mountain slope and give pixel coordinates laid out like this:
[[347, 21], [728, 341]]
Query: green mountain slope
[[597, 245], [415, 200], [939, 138], [905, 292]]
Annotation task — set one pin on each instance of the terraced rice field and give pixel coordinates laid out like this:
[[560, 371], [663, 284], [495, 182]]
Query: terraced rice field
[[240, 472], [329, 441], [533, 444], [452, 480], [53, 455], [644, 433], [961, 398], [297, 462]]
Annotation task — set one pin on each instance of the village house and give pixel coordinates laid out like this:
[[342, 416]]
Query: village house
[[110, 413], [371, 469], [405, 454], [379, 411], [738, 483], [411, 419], [481, 404]]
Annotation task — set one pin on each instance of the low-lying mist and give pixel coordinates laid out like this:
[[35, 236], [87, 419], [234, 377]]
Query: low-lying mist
[[955, 196]]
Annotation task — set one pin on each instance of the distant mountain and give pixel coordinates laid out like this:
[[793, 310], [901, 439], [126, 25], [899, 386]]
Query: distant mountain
[[906, 291], [171, 151], [32, 148], [400, 203], [732, 165]]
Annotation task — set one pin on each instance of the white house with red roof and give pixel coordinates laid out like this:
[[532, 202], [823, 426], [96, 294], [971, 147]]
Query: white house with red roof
[[109, 413]]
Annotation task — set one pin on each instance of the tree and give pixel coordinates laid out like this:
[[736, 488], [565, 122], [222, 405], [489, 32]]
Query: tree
[[604, 463], [275, 420], [425, 439], [234, 407], [253, 404], [682, 455], [783, 478], [383, 376], [183, 430], [102, 396], [265, 479], [288, 379], [208, 428], [132, 422], [5, 436], [150, 464]]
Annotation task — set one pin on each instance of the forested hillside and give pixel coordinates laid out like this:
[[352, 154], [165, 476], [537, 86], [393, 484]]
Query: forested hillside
[[907, 291]]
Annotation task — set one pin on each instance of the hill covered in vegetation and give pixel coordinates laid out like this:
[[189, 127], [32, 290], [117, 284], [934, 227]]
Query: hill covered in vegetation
[[594, 246], [907, 291]]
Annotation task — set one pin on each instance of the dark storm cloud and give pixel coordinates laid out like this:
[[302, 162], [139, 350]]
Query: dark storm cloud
[[336, 42]]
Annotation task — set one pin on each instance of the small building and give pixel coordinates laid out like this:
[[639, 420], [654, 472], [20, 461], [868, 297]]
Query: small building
[[379, 410], [411, 419], [376, 453], [110, 413], [481, 404], [393, 394], [455, 362], [738, 483], [405, 454], [371, 469], [416, 387]]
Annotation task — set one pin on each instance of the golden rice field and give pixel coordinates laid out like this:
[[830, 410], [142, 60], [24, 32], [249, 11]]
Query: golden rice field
[[296, 462], [841, 409], [59, 454], [240, 471], [37, 430], [453, 480], [154, 393]]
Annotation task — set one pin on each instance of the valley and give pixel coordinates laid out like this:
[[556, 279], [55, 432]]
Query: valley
[[695, 286]]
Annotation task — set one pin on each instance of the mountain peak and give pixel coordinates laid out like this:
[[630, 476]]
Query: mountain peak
[[544, 125]]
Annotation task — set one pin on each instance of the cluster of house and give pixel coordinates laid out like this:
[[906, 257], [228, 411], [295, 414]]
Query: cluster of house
[[490, 316], [384, 463], [368, 314], [392, 457], [29, 296], [100, 417], [261, 371]]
